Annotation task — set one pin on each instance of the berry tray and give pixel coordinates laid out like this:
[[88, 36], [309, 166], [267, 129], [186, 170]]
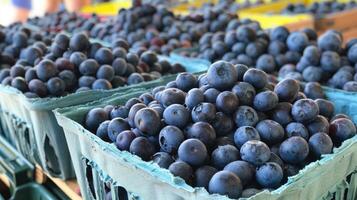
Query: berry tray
[[100, 166], [30, 126]]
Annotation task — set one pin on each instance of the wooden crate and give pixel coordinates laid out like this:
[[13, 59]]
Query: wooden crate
[[339, 21]]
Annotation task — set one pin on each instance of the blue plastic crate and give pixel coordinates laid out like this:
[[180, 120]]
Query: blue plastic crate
[[100, 165], [30, 126]]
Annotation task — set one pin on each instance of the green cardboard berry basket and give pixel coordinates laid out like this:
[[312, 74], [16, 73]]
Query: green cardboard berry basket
[[30, 125], [100, 165]]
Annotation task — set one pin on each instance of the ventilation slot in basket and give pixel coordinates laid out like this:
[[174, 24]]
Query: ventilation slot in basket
[[52, 164]]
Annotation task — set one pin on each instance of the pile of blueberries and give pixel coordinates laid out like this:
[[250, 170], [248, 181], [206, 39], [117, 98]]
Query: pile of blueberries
[[52, 23], [158, 29], [246, 43], [300, 55], [319, 8], [14, 39], [75, 64], [230, 6], [327, 62], [229, 130]]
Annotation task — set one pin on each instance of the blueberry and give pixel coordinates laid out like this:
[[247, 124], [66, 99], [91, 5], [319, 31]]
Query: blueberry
[[249, 192], [281, 113], [223, 124], [193, 98], [101, 84], [146, 98], [193, 152], [86, 81], [116, 126], [330, 61], [319, 124], [227, 102], [241, 69], [245, 60], [320, 143], [202, 131], [102, 131], [245, 34], [210, 95], [287, 90], [270, 131], [77, 58], [94, 118], [338, 116], [38, 87], [257, 78], [297, 41], [294, 150], [79, 42], [89, 67], [56, 86], [133, 109], [120, 66], [171, 84], [311, 33], [148, 121], [82, 89], [5, 73], [69, 79], [203, 175], [292, 57], [269, 175], [312, 74], [118, 81], [204, 112], [245, 116], [163, 159], [276, 47], [176, 115], [313, 90], [104, 56], [304, 110], [20, 84], [226, 183], [244, 134], [182, 170], [172, 96], [265, 101], [124, 139], [280, 33], [254, 49], [245, 93], [135, 78], [222, 75], [243, 170], [170, 138], [326, 108], [311, 55], [276, 159], [149, 58], [329, 41], [350, 86], [131, 102], [342, 129], [105, 72], [143, 148], [45, 70], [255, 152], [186, 81], [224, 155], [266, 63], [297, 129], [352, 53], [340, 78]]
